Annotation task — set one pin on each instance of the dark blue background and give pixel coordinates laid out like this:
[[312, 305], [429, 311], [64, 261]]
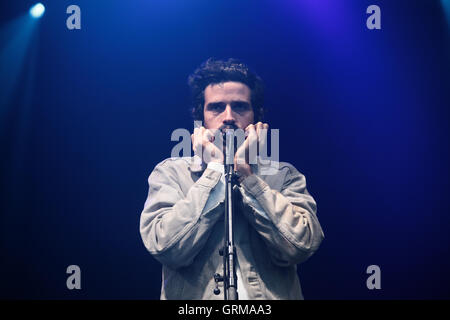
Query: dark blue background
[[363, 114]]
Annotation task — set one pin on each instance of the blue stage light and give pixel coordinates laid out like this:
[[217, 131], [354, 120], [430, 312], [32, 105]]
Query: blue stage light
[[37, 10]]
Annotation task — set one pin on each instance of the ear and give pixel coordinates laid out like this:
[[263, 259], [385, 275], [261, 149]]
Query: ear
[[197, 112]]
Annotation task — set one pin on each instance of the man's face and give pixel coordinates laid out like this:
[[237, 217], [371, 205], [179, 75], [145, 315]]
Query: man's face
[[228, 106]]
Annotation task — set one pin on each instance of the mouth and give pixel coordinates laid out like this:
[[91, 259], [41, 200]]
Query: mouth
[[226, 127]]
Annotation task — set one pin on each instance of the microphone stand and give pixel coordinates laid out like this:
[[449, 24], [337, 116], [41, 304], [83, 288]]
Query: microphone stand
[[228, 251]]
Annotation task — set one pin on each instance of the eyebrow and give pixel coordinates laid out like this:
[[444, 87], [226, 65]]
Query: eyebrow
[[220, 103], [213, 104], [241, 102]]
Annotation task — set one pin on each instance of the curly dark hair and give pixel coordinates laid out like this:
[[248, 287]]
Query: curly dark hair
[[214, 71]]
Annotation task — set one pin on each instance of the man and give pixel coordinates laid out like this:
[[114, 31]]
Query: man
[[275, 223]]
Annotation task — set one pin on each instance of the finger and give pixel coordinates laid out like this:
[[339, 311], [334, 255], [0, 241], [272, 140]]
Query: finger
[[241, 151], [258, 127], [211, 152], [265, 130], [198, 132], [208, 135], [197, 140], [252, 151], [262, 140], [251, 130], [261, 129]]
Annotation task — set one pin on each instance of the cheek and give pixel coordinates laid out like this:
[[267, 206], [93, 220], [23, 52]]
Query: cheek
[[208, 120]]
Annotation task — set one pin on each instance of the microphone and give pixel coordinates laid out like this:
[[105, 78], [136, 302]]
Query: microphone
[[228, 143]]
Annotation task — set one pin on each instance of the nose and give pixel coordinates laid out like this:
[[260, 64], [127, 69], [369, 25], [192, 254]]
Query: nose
[[228, 115]]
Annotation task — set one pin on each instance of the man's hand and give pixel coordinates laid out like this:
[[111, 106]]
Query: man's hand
[[203, 144], [256, 139]]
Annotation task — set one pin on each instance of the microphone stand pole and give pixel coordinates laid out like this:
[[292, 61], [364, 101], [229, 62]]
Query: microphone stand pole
[[229, 258], [228, 251]]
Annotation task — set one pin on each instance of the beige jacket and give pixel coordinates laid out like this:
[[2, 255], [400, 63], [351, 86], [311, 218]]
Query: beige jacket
[[275, 228]]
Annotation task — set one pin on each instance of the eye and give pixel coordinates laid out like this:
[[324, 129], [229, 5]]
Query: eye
[[216, 107], [241, 106]]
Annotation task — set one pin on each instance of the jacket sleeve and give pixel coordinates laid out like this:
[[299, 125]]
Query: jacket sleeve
[[173, 226], [288, 223]]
